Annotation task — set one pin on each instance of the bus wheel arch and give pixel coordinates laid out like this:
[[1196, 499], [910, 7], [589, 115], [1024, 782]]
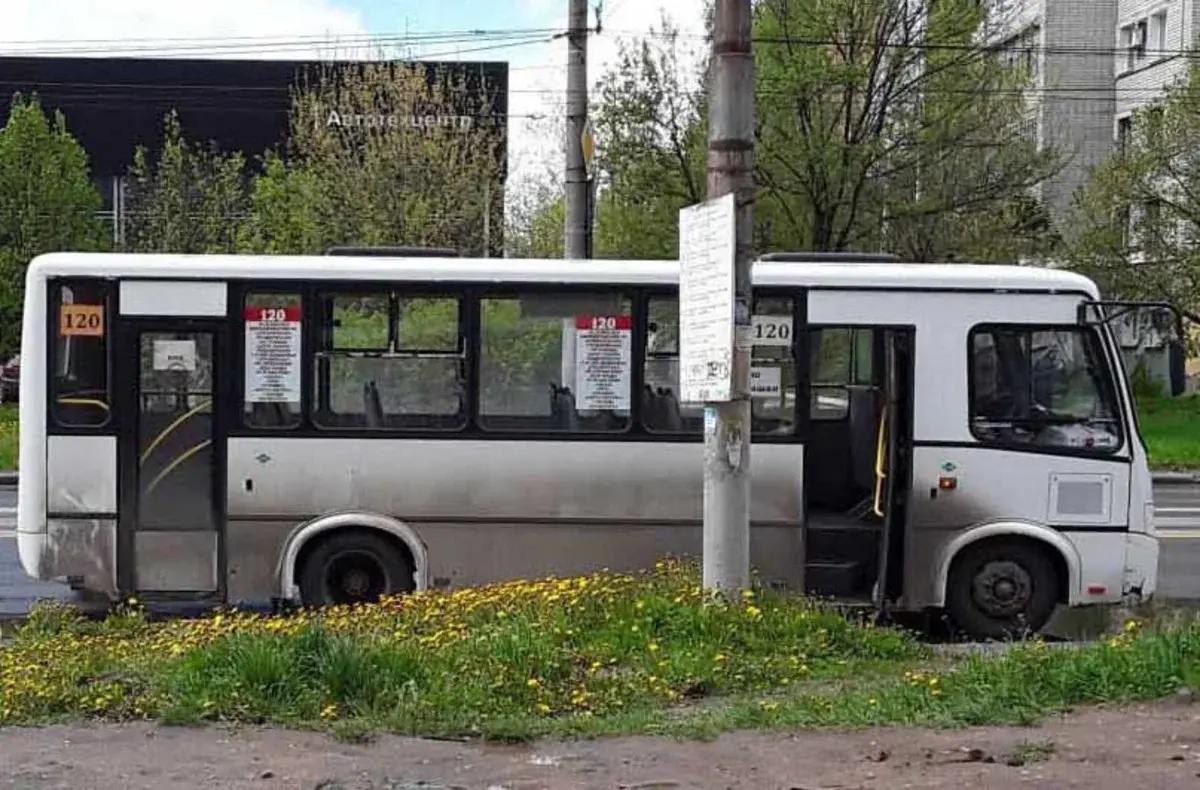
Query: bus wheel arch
[[365, 542], [1000, 581]]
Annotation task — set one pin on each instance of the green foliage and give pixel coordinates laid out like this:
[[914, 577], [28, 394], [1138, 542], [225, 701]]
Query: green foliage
[[874, 141], [191, 200], [48, 203], [867, 138], [345, 182], [651, 128], [1171, 429], [1134, 224]]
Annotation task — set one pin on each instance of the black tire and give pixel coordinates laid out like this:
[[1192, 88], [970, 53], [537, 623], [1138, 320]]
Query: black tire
[[354, 566], [1002, 589]]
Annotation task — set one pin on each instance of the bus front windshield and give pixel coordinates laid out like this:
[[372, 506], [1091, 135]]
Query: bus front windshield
[[1044, 387]]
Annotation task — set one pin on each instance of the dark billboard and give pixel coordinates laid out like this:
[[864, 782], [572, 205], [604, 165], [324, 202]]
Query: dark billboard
[[113, 105]]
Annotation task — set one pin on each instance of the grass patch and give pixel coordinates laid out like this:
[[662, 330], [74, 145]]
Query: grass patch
[[8, 437], [1171, 428], [586, 656]]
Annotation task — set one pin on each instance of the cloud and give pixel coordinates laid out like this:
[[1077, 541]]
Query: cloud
[[233, 28]]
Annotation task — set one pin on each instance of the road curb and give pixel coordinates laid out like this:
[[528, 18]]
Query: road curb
[[8, 478], [1176, 478]]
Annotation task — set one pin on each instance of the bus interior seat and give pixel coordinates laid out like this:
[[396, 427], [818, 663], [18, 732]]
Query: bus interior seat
[[372, 407], [670, 410], [649, 407], [562, 407]]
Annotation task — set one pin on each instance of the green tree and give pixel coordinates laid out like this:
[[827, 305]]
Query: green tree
[[382, 153], [48, 202], [651, 128], [192, 199], [1135, 224], [886, 124]]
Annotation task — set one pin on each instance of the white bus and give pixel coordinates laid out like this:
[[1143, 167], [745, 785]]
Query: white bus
[[260, 430]]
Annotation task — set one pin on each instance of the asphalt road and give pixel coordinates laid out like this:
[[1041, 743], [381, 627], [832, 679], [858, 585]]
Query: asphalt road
[[1178, 522]]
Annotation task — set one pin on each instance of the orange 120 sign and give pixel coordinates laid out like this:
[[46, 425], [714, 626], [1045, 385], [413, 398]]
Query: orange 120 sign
[[81, 320]]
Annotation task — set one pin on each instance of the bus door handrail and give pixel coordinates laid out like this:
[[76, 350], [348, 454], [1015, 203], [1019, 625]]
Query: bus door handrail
[[175, 464], [880, 461], [165, 432]]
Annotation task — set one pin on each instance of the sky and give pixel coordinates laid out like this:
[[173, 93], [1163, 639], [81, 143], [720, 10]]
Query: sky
[[307, 28]]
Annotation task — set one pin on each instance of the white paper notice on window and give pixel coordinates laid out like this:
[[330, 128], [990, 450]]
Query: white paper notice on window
[[178, 355], [603, 362], [765, 382], [272, 354]]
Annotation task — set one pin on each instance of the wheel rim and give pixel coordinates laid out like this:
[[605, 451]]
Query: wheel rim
[[1002, 589], [355, 577]]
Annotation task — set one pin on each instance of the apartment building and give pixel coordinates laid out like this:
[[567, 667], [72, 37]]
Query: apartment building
[[1151, 39], [1066, 45]]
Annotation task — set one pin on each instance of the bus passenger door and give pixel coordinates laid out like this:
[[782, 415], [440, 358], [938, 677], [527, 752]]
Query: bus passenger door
[[893, 470], [172, 455]]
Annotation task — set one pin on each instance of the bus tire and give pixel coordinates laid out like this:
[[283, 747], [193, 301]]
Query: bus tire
[[1002, 589], [353, 566]]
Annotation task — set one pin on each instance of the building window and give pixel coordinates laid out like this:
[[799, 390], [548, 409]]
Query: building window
[[80, 390], [1041, 387], [389, 360], [556, 362], [1158, 34], [1124, 133], [1132, 45]]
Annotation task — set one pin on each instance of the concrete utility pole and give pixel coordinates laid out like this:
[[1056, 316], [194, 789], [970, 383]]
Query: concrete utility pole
[[731, 169], [578, 227]]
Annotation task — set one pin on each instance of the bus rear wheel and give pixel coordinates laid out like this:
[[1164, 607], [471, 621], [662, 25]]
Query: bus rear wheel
[[1002, 589], [356, 566]]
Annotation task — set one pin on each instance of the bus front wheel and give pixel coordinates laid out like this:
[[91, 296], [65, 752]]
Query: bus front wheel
[[1002, 589], [353, 566]]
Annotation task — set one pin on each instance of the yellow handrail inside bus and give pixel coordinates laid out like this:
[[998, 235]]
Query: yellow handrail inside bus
[[175, 424], [171, 467], [83, 402], [880, 462]]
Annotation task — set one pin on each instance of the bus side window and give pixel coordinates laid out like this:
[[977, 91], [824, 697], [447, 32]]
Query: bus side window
[[662, 411], [80, 379], [271, 391], [840, 359], [391, 361], [556, 362], [773, 368]]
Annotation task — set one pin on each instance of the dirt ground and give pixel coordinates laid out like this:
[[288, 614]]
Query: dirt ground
[[1146, 747]]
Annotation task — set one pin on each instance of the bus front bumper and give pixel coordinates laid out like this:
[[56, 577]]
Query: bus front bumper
[[31, 549]]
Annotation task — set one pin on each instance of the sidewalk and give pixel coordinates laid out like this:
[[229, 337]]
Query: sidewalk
[[1100, 749]]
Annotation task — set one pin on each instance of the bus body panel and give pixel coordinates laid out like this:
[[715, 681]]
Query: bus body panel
[[494, 509], [992, 485]]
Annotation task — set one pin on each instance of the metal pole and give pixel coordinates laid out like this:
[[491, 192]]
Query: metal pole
[[731, 169], [576, 231], [487, 220]]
